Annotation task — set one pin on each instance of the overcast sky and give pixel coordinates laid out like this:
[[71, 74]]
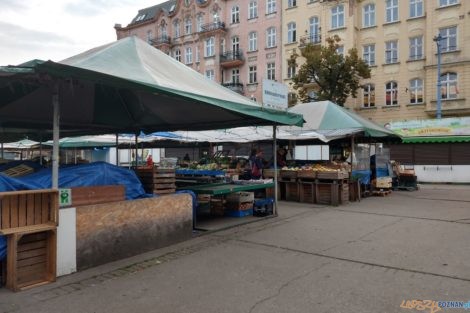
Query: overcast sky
[[57, 29]]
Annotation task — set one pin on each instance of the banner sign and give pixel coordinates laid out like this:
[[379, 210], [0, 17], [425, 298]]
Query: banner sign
[[432, 127], [275, 95]]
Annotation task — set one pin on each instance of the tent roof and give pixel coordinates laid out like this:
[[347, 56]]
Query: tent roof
[[334, 121], [125, 86]]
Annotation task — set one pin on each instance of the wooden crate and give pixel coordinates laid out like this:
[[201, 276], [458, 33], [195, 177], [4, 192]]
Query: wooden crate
[[288, 174], [28, 208], [217, 207], [269, 173], [157, 180], [307, 174], [236, 206], [344, 193], [34, 263], [292, 191], [307, 192], [331, 175], [29, 220]]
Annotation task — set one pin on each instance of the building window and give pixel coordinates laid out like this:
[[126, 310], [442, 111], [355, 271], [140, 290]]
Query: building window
[[416, 8], [449, 89], [252, 74], [163, 32], [391, 52], [253, 9], [271, 37], [149, 37], [291, 32], [449, 39], [236, 76], [416, 48], [291, 3], [369, 54], [391, 10], [199, 21], [178, 55], [209, 47], [188, 26], [188, 55], [271, 71], [369, 96], [176, 26], [253, 41], [235, 44], [270, 6], [290, 70], [444, 3], [210, 74], [416, 91], [340, 50], [391, 93], [198, 57], [314, 28], [235, 14], [368, 19], [337, 16]]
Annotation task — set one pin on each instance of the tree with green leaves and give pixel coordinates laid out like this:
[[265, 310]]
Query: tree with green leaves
[[330, 75]]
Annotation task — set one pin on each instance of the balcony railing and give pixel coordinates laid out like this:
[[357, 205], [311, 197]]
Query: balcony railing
[[313, 39], [233, 55], [237, 87], [212, 26], [161, 40]]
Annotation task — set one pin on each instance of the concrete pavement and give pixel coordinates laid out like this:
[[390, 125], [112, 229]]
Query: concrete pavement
[[366, 256]]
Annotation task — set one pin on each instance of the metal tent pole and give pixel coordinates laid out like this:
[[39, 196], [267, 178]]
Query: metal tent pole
[[55, 137], [117, 150], [275, 171], [136, 149]]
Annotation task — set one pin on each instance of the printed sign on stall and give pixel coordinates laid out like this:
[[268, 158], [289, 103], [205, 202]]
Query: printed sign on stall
[[275, 95]]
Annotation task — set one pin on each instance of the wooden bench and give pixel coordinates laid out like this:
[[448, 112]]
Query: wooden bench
[[29, 219]]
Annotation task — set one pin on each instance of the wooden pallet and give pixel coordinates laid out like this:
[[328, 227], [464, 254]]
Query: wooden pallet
[[19, 170], [381, 193]]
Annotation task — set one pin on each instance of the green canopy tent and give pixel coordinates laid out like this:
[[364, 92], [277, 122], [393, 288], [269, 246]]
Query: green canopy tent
[[334, 121], [126, 86]]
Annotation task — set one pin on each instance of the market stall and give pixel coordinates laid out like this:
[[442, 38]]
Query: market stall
[[125, 86]]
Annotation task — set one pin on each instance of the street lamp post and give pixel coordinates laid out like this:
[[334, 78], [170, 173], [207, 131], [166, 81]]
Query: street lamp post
[[438, 39]]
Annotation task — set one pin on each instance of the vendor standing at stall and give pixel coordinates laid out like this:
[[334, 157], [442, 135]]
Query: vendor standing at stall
[[257, 165]]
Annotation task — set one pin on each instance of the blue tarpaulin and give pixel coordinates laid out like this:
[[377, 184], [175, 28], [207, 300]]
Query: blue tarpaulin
[[3, 247], [363, 176], [93, 174]]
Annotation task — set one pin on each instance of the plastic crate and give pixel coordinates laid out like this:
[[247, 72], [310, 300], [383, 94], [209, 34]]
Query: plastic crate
[[239, 213], [263, 207]]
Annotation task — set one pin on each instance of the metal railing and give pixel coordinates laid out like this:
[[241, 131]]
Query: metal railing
[[310, 39], [237, 87], [212, 26], [231, 55], [161, 40]]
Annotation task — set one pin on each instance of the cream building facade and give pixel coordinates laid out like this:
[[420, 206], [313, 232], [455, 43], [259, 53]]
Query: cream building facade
[[396, 38]]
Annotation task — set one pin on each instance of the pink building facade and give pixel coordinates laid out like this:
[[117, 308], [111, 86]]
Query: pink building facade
[[234, 42]]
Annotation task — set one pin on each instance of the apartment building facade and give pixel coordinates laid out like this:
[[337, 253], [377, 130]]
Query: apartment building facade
[[234, 42], [396, 38]]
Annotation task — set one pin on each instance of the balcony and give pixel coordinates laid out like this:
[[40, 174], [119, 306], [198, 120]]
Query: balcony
[[211, 28], [232, 58], [161, 41], [309, 39], [237, 87]]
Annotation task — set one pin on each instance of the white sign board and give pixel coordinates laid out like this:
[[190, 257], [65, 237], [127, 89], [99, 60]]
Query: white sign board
[[274, 95]]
